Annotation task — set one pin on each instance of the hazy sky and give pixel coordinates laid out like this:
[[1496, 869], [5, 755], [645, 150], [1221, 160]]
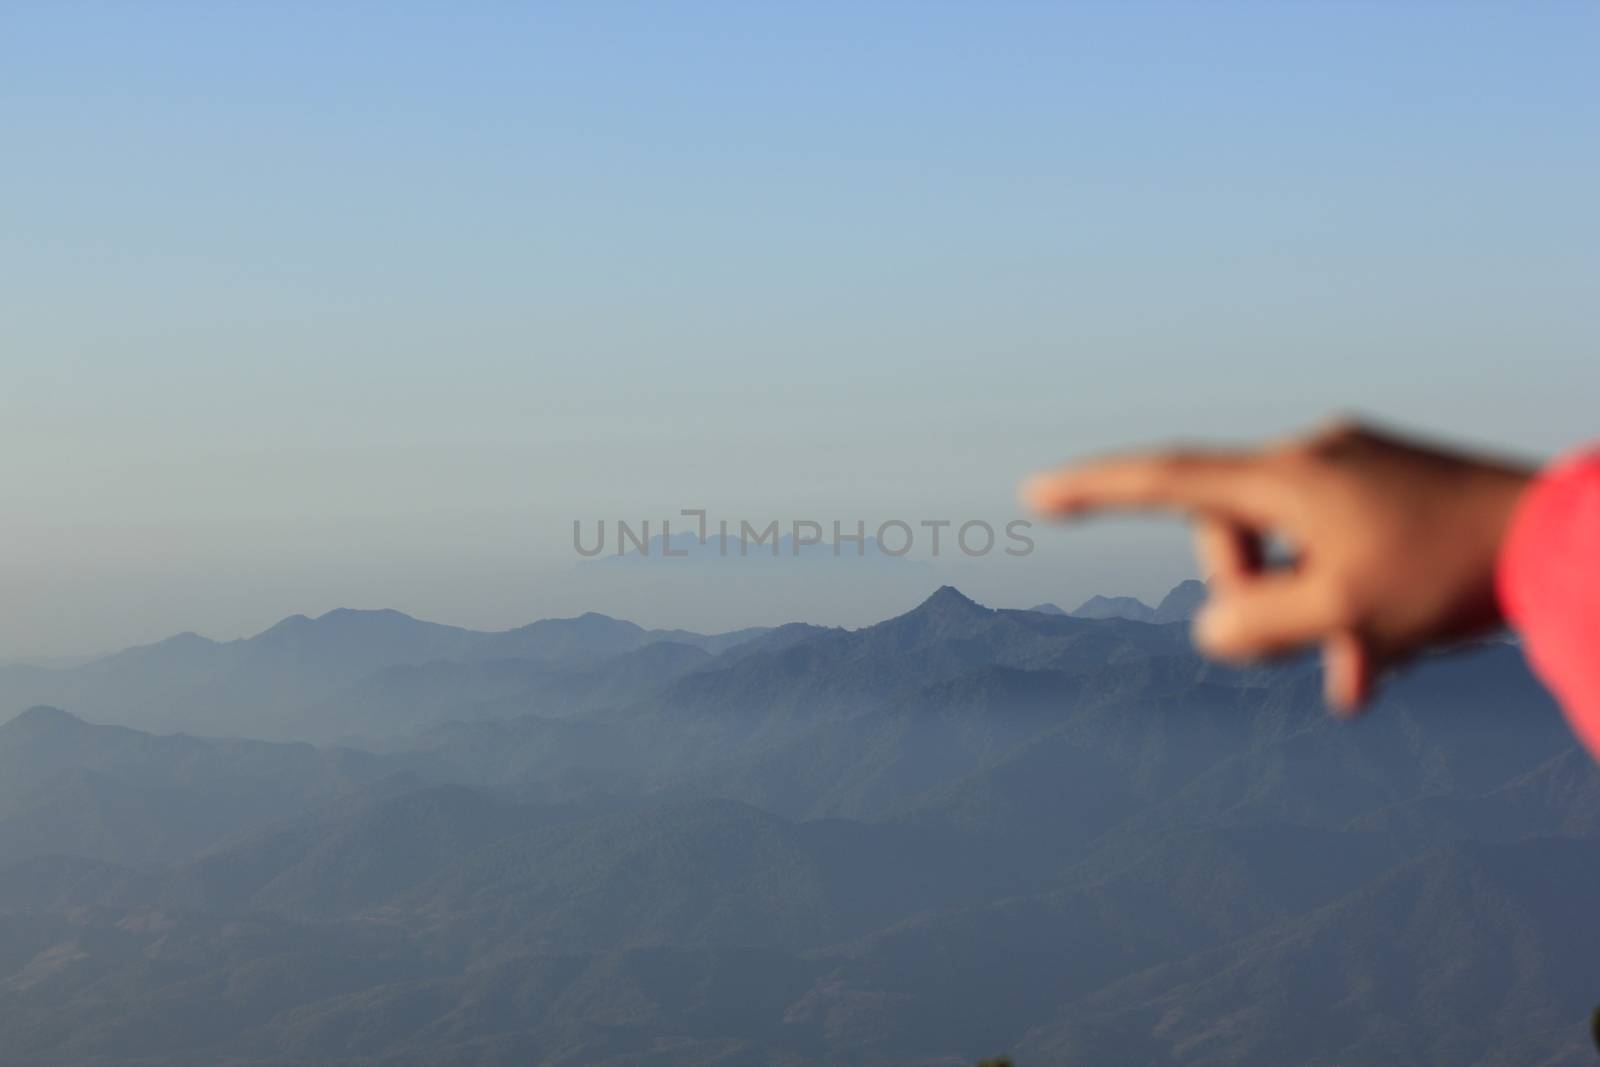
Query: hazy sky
[[309, 305]]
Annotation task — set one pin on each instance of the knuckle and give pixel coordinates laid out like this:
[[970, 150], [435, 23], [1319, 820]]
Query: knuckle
[[1338, 436], [1330, 441]]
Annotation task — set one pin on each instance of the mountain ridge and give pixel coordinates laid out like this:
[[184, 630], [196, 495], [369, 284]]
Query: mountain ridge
[[957, 831]]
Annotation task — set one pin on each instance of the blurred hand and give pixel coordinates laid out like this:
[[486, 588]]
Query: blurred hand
[[1394, 544]]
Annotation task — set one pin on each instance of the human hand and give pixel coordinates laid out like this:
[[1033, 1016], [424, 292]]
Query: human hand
[[1394, 544]]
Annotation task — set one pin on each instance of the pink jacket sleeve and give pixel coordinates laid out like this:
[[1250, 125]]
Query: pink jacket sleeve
[[1549, 586]]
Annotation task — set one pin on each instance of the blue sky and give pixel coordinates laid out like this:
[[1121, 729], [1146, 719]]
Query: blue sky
[[315, 304]]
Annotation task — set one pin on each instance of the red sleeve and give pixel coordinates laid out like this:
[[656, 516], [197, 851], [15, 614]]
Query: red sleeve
[[1549, 586]]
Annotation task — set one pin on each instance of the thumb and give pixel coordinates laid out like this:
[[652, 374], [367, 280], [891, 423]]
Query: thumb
[[1264, 615]]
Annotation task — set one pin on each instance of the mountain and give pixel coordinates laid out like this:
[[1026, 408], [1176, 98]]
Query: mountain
[[955, 833], [399, 701], [349, 856], [278, 684], [1047, 609], [1468, 954], [762, 696], [1114, 607], [1182, 603], [107, 792], [370, 676], [720, 873]]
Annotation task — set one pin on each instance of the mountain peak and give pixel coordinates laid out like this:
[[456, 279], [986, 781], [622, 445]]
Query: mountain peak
[[284, 627], [948, 602], [1182, 603], [1114, 607], [945, 606], [42, 718], [589, 620], [188, 638], [350, 614], [948, 596]]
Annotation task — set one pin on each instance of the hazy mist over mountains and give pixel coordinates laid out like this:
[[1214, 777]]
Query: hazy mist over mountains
[[956, 833]]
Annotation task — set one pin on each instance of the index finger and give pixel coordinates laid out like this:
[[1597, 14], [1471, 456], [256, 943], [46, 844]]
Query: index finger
[[1190, 480]]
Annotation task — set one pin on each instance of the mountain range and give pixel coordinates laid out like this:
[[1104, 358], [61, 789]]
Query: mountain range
[[960, 832], [1179, 605], [278, 683]]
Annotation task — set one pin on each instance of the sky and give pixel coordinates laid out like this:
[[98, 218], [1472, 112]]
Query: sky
[[317, 305]]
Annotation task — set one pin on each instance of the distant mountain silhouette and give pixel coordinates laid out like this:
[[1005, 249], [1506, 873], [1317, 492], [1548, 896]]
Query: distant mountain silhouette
[[278, 683], [958, 831], [1179, 605], [1182, 603], [1114, 607]]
